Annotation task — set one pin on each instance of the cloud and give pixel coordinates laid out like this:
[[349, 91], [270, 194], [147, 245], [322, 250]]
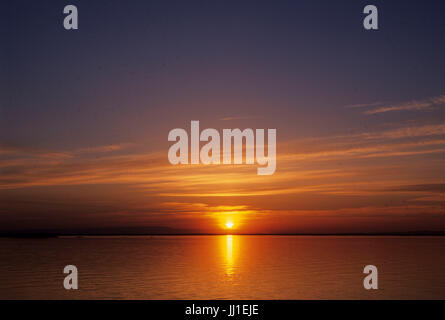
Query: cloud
[[364, 105], [106, 148], [408, 132], [391, 143], [26, 152], [411, 105], [305, 165], [239, 118], [432, 187]]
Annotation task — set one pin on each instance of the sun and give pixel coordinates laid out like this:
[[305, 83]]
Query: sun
[[229, 224]]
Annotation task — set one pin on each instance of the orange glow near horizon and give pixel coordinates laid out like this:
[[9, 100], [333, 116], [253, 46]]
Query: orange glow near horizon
[[322, 185]]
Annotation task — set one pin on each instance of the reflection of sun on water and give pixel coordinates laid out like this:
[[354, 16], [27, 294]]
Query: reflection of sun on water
[[228, 221], [229, 255]]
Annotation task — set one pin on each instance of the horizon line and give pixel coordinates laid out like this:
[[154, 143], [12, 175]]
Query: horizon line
[[61, 235]]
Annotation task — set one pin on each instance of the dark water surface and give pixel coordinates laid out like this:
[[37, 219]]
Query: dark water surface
[[223, 267]]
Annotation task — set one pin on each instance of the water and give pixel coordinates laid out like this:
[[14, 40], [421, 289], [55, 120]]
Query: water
[[223, 267]]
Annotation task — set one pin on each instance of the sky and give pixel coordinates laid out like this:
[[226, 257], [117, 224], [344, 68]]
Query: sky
[[85, 115]]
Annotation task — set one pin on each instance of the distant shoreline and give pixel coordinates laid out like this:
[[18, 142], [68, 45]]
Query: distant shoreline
[[49, 235]]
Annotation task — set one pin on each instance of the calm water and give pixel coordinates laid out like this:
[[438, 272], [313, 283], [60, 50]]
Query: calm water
[[223, 267]]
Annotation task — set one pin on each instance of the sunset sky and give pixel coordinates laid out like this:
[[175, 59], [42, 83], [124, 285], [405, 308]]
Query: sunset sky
[[360, 116]]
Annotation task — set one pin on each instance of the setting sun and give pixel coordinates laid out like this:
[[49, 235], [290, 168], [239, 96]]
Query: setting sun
[[229, 225]]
